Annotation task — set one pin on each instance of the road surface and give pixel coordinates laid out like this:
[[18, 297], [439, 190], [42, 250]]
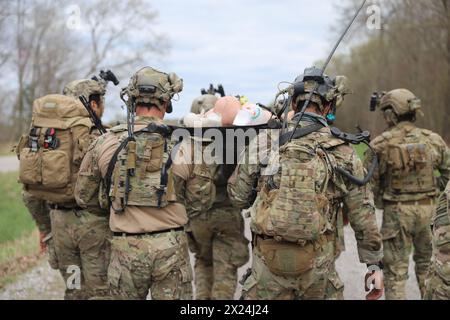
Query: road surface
[[9, 163]]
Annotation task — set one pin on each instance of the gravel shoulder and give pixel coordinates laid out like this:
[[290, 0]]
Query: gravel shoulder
[[41, 283]]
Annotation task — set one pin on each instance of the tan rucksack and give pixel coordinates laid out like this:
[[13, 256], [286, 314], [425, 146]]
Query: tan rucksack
[[410, 168], [51, 153]]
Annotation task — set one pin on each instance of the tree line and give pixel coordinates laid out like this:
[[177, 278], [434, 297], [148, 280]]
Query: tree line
[[47, 43], [410, 50]]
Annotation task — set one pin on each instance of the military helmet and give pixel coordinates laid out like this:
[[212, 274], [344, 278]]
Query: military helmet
[[151, 86], [329, 89], [84, 87], [402, 101], [204, 103]]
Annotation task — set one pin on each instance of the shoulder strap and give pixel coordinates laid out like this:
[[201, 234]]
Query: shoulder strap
[[299, 133], [112, 165]]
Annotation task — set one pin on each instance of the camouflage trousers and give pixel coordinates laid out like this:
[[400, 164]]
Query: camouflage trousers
[[438, 282], [406, 229], [218, 241], [159, 263], [82, 249], [39, 210], [315, 277]]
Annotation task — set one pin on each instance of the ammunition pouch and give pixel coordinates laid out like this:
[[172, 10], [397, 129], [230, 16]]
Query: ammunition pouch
[[286, 259]]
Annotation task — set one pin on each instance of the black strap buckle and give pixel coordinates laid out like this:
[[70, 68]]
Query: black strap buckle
[[358, 138], [34, 139]]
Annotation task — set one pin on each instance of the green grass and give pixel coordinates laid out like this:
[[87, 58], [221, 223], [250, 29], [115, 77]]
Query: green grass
[[19, 239], [26, 245], [360, 149], [18, 256], [15, 221]]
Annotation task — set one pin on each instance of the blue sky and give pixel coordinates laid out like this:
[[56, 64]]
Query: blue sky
[[249, 46]]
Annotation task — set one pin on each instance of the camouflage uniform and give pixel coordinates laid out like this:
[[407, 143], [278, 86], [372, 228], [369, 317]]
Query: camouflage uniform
[[217, 239], [438, 280], [81, 237], [143, 258], [149, 250], [314, 276], [40, 212], [407, 195], [215, 230], [159, 263]]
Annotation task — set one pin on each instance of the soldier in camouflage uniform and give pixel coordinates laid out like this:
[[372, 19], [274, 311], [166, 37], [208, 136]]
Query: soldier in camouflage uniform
[[80, 236], [149, 250], [405, 187], [216, 228], [296, 238], [438, 280]]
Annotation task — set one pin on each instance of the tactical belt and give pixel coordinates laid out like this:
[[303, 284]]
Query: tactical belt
[[124, 234], [324, 238], [422, 202]]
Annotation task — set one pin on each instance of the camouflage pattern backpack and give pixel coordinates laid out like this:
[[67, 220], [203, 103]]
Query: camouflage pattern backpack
[[294, 204], [410, 163], [441, 239], [50, 155]]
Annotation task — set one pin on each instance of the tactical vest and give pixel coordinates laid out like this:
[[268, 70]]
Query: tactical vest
[[295, 204], [51, 154], [140, 174], [208, 184], [410, 164]]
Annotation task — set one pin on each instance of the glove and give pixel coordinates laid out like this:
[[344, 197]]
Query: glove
[[374, 280]]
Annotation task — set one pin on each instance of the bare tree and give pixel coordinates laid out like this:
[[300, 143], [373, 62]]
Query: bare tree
[[41, 53], [412, 50]]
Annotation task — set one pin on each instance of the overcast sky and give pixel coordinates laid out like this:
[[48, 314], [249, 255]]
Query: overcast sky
[[249, 46]]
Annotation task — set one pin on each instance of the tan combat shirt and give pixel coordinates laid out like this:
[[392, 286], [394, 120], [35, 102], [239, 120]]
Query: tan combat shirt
[[134, 219]]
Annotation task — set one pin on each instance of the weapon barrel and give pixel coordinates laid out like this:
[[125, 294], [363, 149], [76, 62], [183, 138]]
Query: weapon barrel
[[95, 120]]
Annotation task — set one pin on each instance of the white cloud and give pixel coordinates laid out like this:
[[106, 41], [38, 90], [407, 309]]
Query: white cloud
[[247, 45]]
